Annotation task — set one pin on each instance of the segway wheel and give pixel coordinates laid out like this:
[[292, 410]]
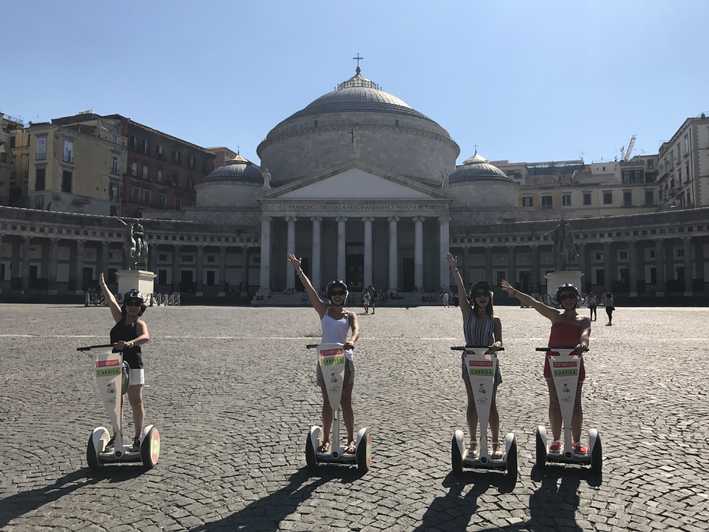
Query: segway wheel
[[150, 448], [511, 473], [363, 456], [541, 457], [456, 457], [311, 459], [597, 457], [92, 454]]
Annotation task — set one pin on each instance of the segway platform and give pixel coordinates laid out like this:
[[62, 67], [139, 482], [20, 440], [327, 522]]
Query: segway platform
[[111, 381], [481, 367], [565, 368], [331, 361]]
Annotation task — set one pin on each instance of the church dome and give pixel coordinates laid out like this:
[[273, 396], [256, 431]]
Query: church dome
[[236, 169], [358, 125], [477, 168]]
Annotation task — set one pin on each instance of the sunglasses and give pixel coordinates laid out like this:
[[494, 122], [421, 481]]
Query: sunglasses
[[568, 295], [481, 294], [337, 293]]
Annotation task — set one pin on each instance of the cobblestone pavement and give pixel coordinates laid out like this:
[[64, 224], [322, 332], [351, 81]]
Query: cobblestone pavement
[[232, 391]]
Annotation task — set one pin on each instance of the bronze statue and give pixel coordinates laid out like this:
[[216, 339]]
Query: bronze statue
[[565, 248], [138, 251]]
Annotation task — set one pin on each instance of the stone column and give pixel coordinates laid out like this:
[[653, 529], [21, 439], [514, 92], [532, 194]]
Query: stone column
[[78, 266], [608, 265], [418, 253], [341, 248], [175, 280], [633, 267], [222, 272], [24, 251], [265, 277], [102, 258], [393, 255], [536, 269], [199, 270], [367, 252], [687, 244], [586, 255], [511, 266], [444, 241], [488, 265], [316, 255], [660, 267], [245, 253], [52, 257], [290, 272]]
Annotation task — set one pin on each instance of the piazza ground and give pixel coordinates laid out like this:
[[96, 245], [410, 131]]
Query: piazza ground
[[233, 393]]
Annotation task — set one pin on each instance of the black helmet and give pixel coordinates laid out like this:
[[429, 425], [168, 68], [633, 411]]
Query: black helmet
[[133, 297], [481, 286], [332, 285], [566, 288]]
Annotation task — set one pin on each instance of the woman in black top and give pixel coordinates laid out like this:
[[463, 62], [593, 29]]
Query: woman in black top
[[127, 335]]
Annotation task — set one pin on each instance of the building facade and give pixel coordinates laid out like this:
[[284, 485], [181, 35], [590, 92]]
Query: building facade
[[366, 189], [684, 165], [10, 184]]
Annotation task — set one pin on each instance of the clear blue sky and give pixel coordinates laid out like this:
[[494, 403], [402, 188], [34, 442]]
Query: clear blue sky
[[524, 80]]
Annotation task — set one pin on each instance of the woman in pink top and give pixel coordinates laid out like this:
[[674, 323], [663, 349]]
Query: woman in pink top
[[567, 329]]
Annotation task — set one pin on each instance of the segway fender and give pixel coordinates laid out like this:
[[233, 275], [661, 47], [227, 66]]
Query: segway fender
[[363, 451], [458, 451], [311, 446], [511, 471], [596, 450], [541, 446], [315, 433], [509, 440], [150, 446], [459, 437], [97, 444]]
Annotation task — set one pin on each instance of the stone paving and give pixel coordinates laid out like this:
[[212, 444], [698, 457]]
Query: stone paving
[[233, 393]]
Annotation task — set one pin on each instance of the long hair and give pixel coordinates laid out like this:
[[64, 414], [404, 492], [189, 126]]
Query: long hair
[[481, 286]]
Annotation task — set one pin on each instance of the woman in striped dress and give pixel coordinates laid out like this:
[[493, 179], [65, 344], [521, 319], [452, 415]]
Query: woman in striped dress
[[480, 327]]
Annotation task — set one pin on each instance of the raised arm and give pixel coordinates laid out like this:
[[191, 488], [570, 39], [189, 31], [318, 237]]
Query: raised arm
[[110, 300], [462, 296], [317, 303], [545, 310]]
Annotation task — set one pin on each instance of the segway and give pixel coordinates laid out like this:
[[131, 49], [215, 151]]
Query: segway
[[331, 362], [481, 367], [565, 364], [111, 384]]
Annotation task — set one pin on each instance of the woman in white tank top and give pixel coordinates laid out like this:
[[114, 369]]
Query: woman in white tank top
[[336, 323]]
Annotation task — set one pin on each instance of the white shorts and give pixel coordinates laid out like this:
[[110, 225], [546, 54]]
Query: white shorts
[[136, 376]]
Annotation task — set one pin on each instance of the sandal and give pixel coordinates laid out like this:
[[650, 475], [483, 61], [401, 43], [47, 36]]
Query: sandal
[[350, 448], [324, 447]]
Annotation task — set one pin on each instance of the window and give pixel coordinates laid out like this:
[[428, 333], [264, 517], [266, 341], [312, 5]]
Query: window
[[39, 178], [177, 157], [546, 202], [627, 198], [66, 181], [134, 192], [163, 200], [131, 141], [587, 198], [566, 200], [114, 165], [686, 173], [527, 201], [192, 160], [68, 151], [145, 171], [134, 169], [146, 146], [114, 192], [679, 253], [146, 196], [622, 255], [649, 197], [686, 143], [159, 176], [607, 197], [160, 151], [178, 204], [41, 148]]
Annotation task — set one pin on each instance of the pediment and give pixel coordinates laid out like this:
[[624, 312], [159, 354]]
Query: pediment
[[354, 183]]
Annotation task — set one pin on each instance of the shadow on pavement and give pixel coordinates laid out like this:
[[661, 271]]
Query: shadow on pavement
[[553, 504], [268, 512], [25, 502], [454, 510]]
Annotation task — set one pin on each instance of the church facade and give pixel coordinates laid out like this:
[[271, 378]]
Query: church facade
[[366, 189]]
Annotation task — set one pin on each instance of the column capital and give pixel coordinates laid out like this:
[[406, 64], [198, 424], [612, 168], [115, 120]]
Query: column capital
[[291, 218], [341, 219], [316, 218], [266, 218], [419, 219], [369, 219], [444, 219], [394, 219]]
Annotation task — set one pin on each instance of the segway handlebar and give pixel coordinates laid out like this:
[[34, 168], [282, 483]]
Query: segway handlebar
[[464, 347], [312, 346], [89, 347], [555, 347]]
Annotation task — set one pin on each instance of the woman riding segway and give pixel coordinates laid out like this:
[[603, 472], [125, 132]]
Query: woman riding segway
[[480, 327], [127, 335], [567, 329], [336, 323]]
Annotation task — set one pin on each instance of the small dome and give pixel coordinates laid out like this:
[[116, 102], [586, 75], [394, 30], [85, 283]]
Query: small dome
[[236, 169], [477, 168]]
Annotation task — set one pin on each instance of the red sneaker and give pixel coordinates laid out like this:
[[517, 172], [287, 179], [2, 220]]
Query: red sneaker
[[555, 447], [580, 449]]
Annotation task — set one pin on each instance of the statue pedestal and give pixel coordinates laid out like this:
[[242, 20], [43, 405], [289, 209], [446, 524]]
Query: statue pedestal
[[139, 280]]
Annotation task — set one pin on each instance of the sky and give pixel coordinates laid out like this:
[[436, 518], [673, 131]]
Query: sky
[[524, 81]]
